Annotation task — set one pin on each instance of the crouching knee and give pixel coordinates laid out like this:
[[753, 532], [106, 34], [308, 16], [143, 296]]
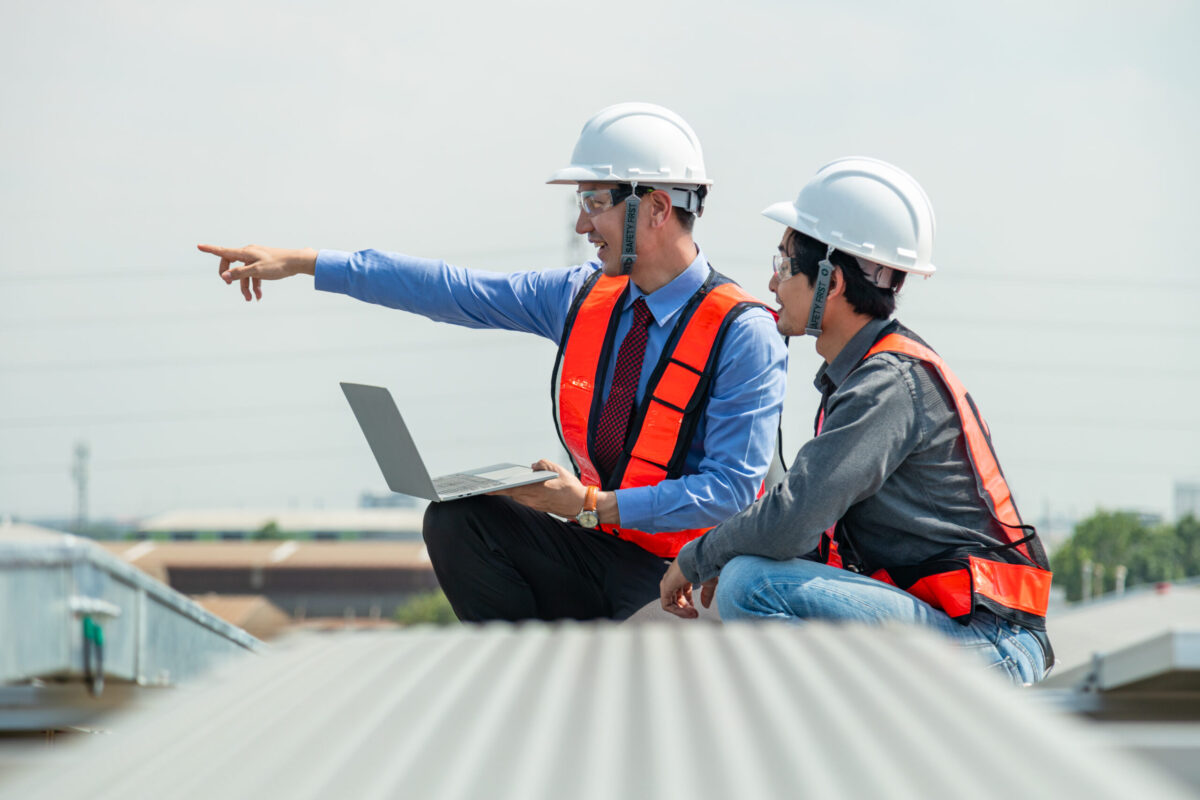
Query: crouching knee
[[446, 524], [744, 589]]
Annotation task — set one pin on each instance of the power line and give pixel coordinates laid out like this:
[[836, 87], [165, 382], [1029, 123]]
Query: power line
[[1044, 279], [156, 416], [175, 318], [191, 461], [125, 274], [128, 418], [1119, 467], [1115, 467], [186, 462], [229, 358], [1008, 321], [1130, 370], [209, 264]]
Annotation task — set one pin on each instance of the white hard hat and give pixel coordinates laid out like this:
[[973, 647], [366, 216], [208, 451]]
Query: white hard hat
[[867, 208], [636, 143]]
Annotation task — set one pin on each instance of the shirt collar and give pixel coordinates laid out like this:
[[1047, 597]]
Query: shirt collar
[[668, 301], [855, 350]]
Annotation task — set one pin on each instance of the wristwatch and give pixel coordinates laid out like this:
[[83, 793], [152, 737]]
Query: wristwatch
[[588, 517]]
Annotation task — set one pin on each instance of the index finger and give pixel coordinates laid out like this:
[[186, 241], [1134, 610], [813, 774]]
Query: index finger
[[232, 253]]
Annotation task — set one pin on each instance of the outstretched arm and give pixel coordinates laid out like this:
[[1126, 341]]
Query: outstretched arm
[[260, 264]]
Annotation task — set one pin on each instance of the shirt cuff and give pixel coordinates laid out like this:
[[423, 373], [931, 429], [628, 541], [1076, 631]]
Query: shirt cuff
[[635, 508], [687, 562], [332, 271]]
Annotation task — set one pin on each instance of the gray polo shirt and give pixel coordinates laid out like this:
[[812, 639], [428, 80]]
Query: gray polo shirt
[[890, 463]]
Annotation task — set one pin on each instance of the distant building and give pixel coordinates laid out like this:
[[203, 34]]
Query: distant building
[[349, 580], [1148, 519], [1187, 499], [236, 525], [389, 500]]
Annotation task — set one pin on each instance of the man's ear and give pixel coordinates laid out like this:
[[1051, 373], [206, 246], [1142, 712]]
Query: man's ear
[[658, 204], [837, 282]]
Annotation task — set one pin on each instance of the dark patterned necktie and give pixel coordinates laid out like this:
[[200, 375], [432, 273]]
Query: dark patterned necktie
[[614, 418]]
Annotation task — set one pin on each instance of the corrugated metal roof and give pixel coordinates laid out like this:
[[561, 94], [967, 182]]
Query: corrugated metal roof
[[1168, 661], [1118, 621], [67, 605], [21, 531], [1131, 664], [600, 711]]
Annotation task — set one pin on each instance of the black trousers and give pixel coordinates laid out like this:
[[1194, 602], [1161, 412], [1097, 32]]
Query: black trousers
[[497, 559]]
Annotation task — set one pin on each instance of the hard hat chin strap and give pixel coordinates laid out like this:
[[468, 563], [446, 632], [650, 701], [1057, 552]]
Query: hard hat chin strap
[[629, 237], [820, 293]]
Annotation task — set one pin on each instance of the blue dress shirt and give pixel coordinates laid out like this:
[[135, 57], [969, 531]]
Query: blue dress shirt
[[734, 442]]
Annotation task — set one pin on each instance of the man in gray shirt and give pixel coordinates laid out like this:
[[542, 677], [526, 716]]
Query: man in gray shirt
[[897, 509]]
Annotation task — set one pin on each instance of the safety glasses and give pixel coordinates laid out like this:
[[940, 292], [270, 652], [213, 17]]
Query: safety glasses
[[597, 201], [785, 267]]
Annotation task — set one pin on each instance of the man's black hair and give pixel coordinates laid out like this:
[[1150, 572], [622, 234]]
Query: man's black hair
[[864, 297]]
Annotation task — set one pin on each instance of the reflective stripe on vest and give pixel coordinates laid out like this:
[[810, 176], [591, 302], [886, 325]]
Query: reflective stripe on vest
[[957, 586], [657, 448]]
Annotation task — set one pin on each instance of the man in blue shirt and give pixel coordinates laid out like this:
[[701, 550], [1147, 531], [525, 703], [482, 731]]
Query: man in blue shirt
[[669, 381]]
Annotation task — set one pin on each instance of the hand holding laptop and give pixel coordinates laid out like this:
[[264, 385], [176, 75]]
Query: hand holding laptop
[[562, 495]]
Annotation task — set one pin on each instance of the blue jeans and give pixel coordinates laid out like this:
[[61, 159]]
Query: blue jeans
[[756, 588]]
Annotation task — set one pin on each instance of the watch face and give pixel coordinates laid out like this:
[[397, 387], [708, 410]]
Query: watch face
[[588, 519]]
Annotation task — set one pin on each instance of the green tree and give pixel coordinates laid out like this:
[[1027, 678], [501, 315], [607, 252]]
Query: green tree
[[1187, 531], [1156, 557], [268, 532], [430, 608], [1111, 539]]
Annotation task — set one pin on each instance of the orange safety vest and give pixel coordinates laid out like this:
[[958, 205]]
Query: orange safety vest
[[960, 584], [662, 428]]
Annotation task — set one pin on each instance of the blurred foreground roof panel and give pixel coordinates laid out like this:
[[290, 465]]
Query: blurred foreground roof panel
[[598, 711]]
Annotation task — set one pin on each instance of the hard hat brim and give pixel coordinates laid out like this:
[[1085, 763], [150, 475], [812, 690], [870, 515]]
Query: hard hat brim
[[581, 175], [785, 212], [575, 174]]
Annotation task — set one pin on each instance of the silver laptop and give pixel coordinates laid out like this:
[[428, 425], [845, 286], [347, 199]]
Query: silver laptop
[[401, 464]]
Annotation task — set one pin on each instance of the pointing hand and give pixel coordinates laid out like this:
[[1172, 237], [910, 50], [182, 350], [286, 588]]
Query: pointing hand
[[260, 263]]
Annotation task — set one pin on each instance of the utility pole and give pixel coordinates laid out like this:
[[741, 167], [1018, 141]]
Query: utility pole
[[79, 472]]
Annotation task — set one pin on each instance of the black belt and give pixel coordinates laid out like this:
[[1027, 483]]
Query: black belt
[[1047, 650]]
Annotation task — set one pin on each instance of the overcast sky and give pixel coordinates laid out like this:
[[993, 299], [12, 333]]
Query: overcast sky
[[1056, 140]]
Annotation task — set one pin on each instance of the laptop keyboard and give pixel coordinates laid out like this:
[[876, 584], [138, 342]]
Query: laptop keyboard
[[452, 484]]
